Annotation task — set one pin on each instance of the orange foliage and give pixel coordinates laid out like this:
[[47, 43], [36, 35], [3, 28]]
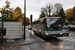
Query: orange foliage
[[17, 15], [69, 13]]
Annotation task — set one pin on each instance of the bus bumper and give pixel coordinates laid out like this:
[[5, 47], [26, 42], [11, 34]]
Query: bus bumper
[[54, 35]]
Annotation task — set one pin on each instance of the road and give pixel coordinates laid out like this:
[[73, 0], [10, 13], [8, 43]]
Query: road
[[61, 43]]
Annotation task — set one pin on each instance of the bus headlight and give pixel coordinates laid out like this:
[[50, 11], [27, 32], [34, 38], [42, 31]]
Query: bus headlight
[[61, 32], [46, 33]]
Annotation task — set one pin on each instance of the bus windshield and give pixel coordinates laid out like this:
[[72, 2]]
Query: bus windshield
[[53, 23]]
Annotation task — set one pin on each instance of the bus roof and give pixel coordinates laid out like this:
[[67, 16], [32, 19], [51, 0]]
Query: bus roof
[[45, 17]]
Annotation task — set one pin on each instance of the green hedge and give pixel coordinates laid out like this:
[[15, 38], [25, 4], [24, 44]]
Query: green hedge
[[7, 19], [69, 23]]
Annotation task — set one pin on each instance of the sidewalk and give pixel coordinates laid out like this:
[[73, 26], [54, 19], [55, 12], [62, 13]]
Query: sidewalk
[[29, 39]]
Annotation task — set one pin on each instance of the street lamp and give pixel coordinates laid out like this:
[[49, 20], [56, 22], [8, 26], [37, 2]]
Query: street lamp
[[24, 16]]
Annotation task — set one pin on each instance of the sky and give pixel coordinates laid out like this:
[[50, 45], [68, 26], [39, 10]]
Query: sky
[[33, 7]]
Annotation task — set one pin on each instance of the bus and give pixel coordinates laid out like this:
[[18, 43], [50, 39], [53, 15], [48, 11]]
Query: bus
[[48, 27]]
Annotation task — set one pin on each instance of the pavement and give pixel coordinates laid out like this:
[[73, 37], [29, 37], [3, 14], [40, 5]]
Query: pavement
[[28, 40]]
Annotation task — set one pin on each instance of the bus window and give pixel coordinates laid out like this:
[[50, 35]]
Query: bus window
[[53, 23]]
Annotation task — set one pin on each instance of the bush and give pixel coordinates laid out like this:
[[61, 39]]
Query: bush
[[70, 23], [7, 19]]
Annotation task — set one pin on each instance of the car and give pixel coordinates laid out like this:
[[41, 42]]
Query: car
[[26, 26], [65, 30], [30, 28]]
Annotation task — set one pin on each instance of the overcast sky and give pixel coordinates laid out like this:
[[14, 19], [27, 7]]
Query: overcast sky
[[34, 6]]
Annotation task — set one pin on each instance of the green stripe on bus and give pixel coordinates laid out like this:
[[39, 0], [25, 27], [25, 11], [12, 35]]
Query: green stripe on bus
[[42, 32]]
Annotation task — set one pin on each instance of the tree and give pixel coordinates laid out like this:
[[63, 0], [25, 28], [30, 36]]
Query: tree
[[6, 11], [74, 13], [53, 15], [27, 20], [7, 4], [71, 19], [61, 13], [58, 6], [42, 15], [69, 13], [47, 10], [17, 14]]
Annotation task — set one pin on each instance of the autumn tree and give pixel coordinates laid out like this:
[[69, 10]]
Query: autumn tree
[[17, 14], [42, 15], [69, 13], [74, 13], [47, 10], [7, 12], [27, 20], [53, 15]]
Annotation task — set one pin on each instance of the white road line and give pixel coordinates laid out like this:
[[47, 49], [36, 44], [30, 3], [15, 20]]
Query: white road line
[[28, 48], [69, 39]]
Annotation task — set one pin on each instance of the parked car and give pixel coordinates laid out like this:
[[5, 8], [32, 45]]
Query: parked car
[[70, 25], [65, 30]]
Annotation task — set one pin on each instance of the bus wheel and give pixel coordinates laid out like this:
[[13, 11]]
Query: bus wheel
[[34, 32], [40, 34], [67, 35]]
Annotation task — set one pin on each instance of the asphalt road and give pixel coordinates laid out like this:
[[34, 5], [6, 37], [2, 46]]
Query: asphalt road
[[61, 43]]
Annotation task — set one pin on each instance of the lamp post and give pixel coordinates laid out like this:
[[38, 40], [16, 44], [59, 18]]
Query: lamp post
[[24, 17]]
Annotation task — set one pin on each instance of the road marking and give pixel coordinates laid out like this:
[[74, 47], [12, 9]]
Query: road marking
[[69, 39], [28, 48]]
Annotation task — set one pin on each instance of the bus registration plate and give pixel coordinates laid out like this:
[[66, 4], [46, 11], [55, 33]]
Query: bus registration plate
[[54, 32]]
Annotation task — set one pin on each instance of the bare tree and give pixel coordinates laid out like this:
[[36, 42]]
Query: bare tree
[[47, 9], [58, 6]]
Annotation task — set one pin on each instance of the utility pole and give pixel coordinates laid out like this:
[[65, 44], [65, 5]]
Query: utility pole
[[24, 17]]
